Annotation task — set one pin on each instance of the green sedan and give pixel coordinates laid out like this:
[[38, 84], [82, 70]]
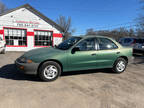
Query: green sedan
[[74, 54]]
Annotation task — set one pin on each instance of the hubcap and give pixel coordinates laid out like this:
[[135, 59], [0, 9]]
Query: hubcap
[[120, 66], [50, 72]]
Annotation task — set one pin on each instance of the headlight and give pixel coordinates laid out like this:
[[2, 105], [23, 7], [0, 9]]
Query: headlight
[[24, 60]]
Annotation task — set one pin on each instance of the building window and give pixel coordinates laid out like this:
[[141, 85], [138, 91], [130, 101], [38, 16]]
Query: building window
[[43, 38], [15, 37]]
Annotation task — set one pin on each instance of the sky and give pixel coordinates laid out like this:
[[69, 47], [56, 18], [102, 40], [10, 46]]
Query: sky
[[85, 14]]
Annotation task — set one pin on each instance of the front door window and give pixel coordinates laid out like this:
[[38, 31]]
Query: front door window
[[87, 45]]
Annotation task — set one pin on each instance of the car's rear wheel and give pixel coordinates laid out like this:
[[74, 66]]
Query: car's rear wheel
[[120, 65], [49, 71]]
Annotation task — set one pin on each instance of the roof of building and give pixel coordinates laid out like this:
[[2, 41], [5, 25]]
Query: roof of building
[[36, 12]]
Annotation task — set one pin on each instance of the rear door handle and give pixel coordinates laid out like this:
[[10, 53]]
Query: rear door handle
[[93, 54]]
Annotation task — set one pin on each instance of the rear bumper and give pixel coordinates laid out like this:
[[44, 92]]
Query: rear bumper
[[27, 68]]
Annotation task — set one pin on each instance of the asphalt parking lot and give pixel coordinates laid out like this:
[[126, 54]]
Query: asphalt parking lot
[[84, 89]]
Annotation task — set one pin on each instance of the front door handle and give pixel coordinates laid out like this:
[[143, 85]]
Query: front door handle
[[93, 54]]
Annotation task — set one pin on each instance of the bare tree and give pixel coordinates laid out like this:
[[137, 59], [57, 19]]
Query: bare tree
[[139, 32], [90, 32], [140, 19], [131, 32], [65, 23], [3, 8], [115, 33]]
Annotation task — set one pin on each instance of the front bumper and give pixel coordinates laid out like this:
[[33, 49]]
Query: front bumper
[[27, 68]]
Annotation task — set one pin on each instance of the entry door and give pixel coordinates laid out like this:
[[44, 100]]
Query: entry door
[[85, 58]]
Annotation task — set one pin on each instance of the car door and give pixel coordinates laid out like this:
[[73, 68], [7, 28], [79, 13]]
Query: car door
[[85, 57], [107, 53]]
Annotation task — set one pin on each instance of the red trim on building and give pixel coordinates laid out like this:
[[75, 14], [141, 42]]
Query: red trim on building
[[57, 35], [18, 29], [42, 46], [30, 33], [42, 30], [16, 46], [15, 28], [1, 32]]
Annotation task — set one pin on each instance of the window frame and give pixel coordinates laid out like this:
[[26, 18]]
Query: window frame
[[98, 38], [43, 31], [96, 44], [13, 28]]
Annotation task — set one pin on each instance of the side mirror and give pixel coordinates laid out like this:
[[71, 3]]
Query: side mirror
[[75, 49]]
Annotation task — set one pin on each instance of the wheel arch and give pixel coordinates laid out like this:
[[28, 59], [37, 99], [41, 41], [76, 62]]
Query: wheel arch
[[124, 57], [53, 61]]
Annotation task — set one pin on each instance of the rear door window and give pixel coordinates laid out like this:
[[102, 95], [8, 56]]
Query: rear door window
[[106, 44], [141, 41]]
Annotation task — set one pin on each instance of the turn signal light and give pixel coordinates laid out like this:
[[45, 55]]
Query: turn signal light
[[22, 67], [29, 61]]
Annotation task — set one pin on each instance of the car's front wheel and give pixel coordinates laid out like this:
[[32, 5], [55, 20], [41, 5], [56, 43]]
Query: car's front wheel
[[49, 71], [120, 65]]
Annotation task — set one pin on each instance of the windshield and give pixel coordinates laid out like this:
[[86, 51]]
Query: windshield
[[68, 43]]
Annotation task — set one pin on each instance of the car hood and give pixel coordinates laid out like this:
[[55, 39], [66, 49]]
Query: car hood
[[42, 52]]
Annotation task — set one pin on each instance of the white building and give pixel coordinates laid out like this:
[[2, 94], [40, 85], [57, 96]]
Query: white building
[[25, 28]]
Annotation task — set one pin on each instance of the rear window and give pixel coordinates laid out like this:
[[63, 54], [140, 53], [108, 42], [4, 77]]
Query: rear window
[[127, 40], [120, 40], [140, 40]]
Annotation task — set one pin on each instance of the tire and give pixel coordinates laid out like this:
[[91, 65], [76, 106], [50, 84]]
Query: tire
[[49, 71], [119, 65]]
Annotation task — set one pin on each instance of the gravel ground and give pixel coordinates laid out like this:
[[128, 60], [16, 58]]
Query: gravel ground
[[85, 89]]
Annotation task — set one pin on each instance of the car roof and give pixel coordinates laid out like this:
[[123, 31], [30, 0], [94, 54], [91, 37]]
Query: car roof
[[87, 36], [128, 38]]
